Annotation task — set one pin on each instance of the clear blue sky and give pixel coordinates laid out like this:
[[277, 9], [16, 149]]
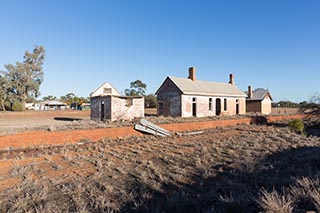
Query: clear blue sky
[[272, 44]]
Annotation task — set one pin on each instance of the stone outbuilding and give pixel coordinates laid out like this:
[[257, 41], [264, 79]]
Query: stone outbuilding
[[108, 104], [189, 97], [259, 101]]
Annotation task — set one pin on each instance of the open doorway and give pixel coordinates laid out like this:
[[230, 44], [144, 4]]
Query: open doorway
[[237, 106], [194, 107], [102, 111]]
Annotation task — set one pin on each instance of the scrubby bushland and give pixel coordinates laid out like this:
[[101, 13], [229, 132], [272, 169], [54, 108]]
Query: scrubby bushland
[[297, 125], [312, 110], [17, 107], [234, 169]]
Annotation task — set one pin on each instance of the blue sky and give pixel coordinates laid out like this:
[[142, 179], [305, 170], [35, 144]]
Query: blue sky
[[273, 44]]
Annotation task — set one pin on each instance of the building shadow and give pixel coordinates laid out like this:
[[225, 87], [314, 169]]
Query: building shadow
[[230, 189], [67, 119]]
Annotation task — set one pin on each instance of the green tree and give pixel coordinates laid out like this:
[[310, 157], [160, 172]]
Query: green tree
[[49, 98], [137, 88], [3, 92], [150, 101], [68, 98], [24, 78], [72, 100], [7, 94], [286, 104]]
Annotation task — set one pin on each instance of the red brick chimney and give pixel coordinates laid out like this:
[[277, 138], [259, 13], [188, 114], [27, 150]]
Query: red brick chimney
[[249, 92], [231, 79], [192, 73]]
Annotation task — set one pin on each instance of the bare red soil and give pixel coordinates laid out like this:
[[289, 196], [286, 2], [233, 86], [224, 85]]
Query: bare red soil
[[33, 139]]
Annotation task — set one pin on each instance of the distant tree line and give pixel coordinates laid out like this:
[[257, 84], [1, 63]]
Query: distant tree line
[[288, 104], [20, 82]]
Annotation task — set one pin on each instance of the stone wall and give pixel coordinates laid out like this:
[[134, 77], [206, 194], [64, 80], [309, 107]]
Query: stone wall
[[127, 108], [116, 107], [203, 108], [169, 99]]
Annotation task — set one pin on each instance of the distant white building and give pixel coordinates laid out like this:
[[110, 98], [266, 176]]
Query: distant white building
[[50, 105], [29, 106]]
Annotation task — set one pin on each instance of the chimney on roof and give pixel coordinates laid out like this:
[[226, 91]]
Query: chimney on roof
[[192, 73], [231, 79], [249, 92]]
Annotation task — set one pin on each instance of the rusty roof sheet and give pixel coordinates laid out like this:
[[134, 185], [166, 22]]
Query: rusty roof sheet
[[199, 87]]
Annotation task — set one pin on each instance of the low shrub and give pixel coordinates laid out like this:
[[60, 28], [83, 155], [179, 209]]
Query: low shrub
[[297, 125], [17, 107]]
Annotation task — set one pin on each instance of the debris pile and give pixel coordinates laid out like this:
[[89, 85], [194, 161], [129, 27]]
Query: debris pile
[[145, 126]]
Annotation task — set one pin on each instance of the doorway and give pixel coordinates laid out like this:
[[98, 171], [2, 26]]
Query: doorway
[[102, 111], [237, 106], [194, 107], [218, 106]]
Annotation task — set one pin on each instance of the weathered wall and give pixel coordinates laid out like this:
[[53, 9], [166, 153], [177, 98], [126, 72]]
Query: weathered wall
[[266, 106], [115, 107], [253, 106], [202, 106], [97, 113], [232, 106], [263, 106], [171, 102], [126, 108], [101, 90], [169, 99]]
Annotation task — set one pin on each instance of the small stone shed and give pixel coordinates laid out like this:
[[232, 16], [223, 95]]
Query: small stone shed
[[189, 97], [259, 101], [108, 104]]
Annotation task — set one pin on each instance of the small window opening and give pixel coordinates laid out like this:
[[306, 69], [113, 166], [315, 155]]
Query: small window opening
[[129, 102]]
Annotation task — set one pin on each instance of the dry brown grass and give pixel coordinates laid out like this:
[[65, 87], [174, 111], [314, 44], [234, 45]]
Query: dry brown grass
[[222, 170]]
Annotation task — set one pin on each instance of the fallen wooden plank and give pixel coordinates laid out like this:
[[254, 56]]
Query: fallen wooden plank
[[154, 127], [145, 129], [189, 133]]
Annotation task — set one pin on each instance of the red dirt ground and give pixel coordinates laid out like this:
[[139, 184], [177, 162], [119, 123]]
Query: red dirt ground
[[32, 139]]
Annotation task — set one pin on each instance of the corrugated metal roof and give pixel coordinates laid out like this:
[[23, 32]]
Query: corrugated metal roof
[[199, 87], [259, 94]]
